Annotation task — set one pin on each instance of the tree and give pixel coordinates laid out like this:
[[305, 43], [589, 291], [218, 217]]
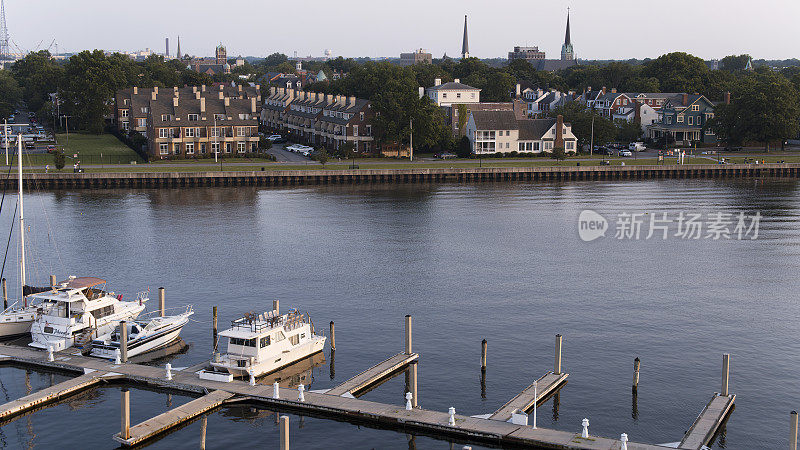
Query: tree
[[39, 76], [321, 155], [10, 94], [580, 117], [558, 154], [678, 72], [629, 131], [464, 148], [58, 159], [732, 63]]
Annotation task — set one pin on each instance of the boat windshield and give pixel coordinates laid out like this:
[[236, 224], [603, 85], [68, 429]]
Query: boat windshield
[[55, 308]]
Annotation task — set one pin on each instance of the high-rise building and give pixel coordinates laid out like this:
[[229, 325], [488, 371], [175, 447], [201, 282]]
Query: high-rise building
[[567, 52], [526, 53], [465, 43], [222, 54]]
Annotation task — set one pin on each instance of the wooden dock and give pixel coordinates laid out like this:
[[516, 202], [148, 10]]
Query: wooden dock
[[708, 422], [50, 394], [170, 419], [525, 400], [374, 374]]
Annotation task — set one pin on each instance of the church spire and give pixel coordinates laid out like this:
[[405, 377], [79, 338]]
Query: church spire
[[567, 52], [566, 37], [465, 43]]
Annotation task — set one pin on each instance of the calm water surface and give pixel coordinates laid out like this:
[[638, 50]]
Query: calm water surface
[[497, 261]]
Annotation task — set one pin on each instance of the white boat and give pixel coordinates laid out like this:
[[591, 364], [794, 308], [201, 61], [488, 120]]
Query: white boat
[[267, 342], [16, 320], [148, 332], [79, 309]]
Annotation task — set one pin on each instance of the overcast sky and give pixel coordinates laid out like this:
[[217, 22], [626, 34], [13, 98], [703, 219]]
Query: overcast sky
[[610, 29]]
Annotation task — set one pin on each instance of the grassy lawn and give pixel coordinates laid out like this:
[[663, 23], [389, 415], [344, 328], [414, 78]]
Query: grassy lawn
[[91, 149]]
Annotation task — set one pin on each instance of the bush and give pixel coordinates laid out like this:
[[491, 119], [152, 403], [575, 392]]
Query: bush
[[558, 154], [59, 160], [464, 148]]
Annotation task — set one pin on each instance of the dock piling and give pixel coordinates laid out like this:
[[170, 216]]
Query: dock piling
[[636, 364], [50, 353], [557, 365], [203, 433], [408, 334], [52, 281], [126, 414], [483, 354], [793, 432], [585, 430], [284, 432], [333, 337], [535, 396], [123, 341], [169, 371], [412, 382], [726, 366], [276, 306], [214, 337], [5, 294], [161, 301]]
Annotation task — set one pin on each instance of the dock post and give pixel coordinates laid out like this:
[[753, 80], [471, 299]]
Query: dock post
[[333, 337], [412, 384], [50, 353], [636, 364], [161, 300], [557, 366], [126, 414], [284, 432], [123, 341], [535, 397], [300, 396], [585, 429], [726, 366], [169, 371], [214, 331], [276, 306], [52, 281], [409, 396], [203, 433], [483, 355], [408, 334], [793, 432], [276, 390], [5, 294], [623, 439], [452, 419]]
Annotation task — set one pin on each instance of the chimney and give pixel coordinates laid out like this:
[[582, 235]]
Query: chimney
[[352, 101], [221, 87], [457, 80], [175, 90], [437, 82], [221, 95], [559, 143], [727, 98], [202, 104], [175, 102], [272, 91], [613, 90], [240, 88], [155, 90], [637, 112], [194, 89], [135, 90], [227, 101], [604, 90], [329, 99], [202, 88], [197, 95], [253, 105], [153, 95], [519, 90], [421, 92], [685, 99]]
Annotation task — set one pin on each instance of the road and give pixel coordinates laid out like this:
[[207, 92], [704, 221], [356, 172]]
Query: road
[[282, 155]]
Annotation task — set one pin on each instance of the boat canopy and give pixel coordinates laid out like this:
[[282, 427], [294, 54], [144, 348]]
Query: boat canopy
[[81, 282]]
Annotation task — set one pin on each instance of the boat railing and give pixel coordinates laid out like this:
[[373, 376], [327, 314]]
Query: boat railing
[[258, 322], [143, 296], [174, 311]]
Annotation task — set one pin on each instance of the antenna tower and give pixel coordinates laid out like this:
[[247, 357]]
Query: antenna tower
[[5, 53]]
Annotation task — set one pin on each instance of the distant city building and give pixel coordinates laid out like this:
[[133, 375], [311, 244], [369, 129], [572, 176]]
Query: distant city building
[[454, 92], [419, 56], [526, 53], [221, 54], [465, 42]]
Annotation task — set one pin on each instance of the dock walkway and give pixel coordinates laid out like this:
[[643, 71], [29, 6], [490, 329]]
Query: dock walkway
[[710, 419], [524, 401], [50, 394], [374, 374], [163, 422]]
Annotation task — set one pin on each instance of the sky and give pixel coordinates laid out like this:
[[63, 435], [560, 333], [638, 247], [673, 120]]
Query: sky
[[609, 29]]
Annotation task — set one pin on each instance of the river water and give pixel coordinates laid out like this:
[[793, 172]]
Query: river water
[[500, 261]]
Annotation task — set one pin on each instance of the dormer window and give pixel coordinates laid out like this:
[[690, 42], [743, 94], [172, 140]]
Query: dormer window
[[166, 117], [695, 107], [193, 117]]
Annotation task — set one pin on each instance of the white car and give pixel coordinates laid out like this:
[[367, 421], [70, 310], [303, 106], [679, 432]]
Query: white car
[[302, 149], [625, 153], [274, 137], [637, 146]]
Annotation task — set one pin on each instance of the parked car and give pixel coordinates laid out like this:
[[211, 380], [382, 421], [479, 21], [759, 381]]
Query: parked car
[[625, 153], [637, 146], [732, 149], [444, 155], [30, 144], [274, 137], [302, 149]]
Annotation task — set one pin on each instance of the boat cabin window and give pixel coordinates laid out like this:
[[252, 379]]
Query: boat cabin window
[[294, 339], [57, 309], [243, 342], [99, 313], [264, 341], [279, 336], [93, 294]]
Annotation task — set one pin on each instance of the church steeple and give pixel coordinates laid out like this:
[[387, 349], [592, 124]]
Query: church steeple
[[465, 43], [567, 52]]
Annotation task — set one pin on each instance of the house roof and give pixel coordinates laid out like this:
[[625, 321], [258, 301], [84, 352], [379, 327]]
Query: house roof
[[534, 129], [453, 86], [495, 120]]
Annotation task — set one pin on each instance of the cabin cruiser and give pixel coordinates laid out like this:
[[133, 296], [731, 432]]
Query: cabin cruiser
[[16, 320], [267, 342], [149, 332], [78, 309]]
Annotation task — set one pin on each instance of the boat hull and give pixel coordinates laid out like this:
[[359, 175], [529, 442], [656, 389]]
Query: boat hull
[[58, 338], [137, 347], [15, 328], [302, 351]]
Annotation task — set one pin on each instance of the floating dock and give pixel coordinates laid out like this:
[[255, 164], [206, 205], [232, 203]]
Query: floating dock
[[525, 400], [708, 422], [422, 175], [374, 374]]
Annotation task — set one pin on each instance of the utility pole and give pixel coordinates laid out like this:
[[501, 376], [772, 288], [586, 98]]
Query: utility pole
[[411, 140], [591, 142], [216, 139], [5, 136]]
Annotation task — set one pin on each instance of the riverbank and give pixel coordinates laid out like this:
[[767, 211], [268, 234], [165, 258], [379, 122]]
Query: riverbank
[[408, 175]]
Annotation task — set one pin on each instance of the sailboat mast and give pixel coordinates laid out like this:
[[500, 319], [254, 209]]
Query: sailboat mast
[[21, 223]]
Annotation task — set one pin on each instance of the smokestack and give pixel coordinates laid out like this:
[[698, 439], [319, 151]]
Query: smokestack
[[253, 105], [202, 104], [135, 90], [727, 98], [685, 99]]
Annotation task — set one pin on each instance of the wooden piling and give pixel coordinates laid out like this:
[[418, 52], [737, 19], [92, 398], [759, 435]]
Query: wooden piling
[[53, 281], [483, 355], [636, 364], [126, 414], [214, 336], [123, 341], [5, 294], [333, 337], [408, 334], [793, 432], [203, 428], [412, 383], [557, 365], [726, 366], [276, 306], [161, 301], [284, 433]]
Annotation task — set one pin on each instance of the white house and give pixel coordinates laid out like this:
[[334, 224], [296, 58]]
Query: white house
[[501, 131], [646, 114], [453, 92]]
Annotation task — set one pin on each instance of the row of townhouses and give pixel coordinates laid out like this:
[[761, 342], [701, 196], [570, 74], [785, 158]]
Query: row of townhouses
[[319, 119], [192, 122]]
